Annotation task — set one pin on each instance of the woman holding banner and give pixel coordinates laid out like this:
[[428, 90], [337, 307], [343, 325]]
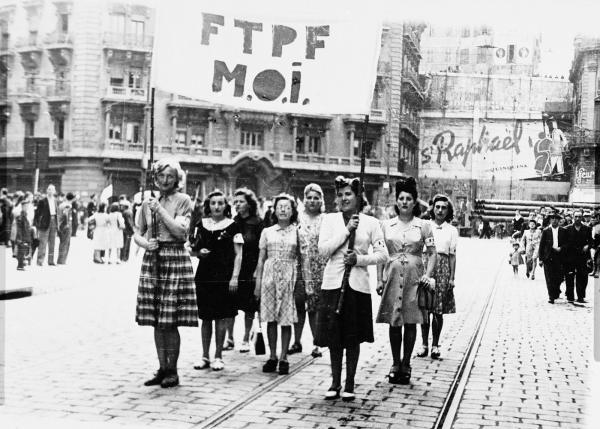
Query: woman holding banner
[[166, 293], [352, 324], [405, 237]]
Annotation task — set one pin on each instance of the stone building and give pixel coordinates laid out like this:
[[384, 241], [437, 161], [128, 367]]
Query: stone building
[[585, 76], [78, 73]]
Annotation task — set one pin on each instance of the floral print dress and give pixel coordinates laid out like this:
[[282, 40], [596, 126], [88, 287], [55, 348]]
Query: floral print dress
[[312, 263]]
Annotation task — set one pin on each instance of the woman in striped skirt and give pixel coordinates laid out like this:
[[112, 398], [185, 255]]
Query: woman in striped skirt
[[166, 292]]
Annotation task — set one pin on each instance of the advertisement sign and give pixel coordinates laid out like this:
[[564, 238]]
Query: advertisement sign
[[254, 60]]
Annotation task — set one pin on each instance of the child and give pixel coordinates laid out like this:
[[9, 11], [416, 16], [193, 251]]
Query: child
[[515, 258], [24, 234]]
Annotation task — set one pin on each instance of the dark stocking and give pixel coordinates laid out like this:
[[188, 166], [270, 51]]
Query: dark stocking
[[160, 348], [436, 328], [410, 336], [272, 337], [336, 354], [352, 354], [396, 343], [173, 344], [425, 332], [207, 329]]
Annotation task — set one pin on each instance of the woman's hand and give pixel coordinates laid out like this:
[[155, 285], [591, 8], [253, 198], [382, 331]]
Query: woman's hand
[[350, 258], [233, 285], [353, 223], [429, 281], [257, 290], [204, 252], [379, 289], [451, 283], [152, 244]]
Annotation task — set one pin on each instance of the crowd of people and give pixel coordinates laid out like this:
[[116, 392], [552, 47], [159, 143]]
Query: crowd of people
[[297, 261], [565, 243]]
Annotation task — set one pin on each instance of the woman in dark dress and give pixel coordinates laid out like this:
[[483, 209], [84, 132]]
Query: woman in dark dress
[[218, 242], [251, 227]]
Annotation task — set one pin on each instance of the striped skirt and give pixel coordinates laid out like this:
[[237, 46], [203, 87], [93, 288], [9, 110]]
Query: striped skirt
[[166, 291]]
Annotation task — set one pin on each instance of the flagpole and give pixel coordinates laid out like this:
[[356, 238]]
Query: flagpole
[[359, 207]]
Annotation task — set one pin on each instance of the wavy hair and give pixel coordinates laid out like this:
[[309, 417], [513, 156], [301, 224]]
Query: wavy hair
[[206, 204], [450, 214], [250, 197], [313, 187], [292, 200], [160, 165]]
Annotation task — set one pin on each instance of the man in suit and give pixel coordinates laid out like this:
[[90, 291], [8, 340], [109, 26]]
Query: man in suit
[[65, 225], [552, 250], [579, 243], [45, 220]]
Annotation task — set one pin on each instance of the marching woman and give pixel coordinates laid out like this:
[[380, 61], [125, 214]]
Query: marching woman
[[166, 297], [275, 279], [312, 263], [218, 242], [251, 226], [405, 237], [446, 239], [352, 324]]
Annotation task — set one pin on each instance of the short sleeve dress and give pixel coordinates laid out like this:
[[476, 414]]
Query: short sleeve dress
[[279, 275], [214, 271], [405, 243], [313, 264], [251, 227]]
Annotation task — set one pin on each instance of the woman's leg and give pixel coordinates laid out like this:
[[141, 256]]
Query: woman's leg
[[272, 337], [173, 345], [395, 333], [207, 329], [286, 336], [312, 322], [533, 264], [336, 354], [425, 337], [436, 329], [220, 331], [352, 354], [248, 320], [229, 325], [299, 326], [160, 348], [410, 336]]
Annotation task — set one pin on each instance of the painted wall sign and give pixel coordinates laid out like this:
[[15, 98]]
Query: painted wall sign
[[253, 60], [501, 149], [584, 175]]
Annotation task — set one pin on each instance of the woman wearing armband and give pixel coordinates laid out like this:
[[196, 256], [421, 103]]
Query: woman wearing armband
[[348, 325]]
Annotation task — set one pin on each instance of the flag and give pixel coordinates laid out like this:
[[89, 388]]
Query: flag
[[106, 194]]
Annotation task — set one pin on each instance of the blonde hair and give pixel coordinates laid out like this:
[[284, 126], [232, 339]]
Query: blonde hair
[[162, 164], [313, 187]]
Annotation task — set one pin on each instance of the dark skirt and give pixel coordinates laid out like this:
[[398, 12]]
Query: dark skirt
[[245, 299], [352, 327], [166, 294]]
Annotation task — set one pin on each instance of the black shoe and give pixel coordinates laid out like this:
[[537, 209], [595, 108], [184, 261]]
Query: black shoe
[[171, 380], [348, 396], [284, 367], [551, 301], [270, 365], [51, 264], [394, 374], [333, 393], [582, 301], [404, 377], [296, 348], [157, 379]]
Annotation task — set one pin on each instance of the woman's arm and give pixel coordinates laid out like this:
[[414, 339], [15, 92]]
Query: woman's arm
[[431, 260], [262, 256], [380, 252], [331, 239], [237, 264], [177, 226]]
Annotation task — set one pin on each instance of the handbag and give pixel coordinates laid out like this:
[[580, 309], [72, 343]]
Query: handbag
[[90, 229], [425, 296], [258, 340]]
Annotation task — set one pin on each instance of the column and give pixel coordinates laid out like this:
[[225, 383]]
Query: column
[[294, 136], [209, 132], [382, 144], [106, 126], [173, 129], [351, 153], [326, 145]]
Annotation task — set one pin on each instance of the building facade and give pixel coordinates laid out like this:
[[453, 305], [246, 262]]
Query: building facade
[[585, 76], [79, 72]]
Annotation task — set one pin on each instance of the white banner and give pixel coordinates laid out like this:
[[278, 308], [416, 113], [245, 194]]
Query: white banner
[[294, 64]]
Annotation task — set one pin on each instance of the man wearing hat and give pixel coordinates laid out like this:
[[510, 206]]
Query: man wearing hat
[[552, 250], [579, 243]]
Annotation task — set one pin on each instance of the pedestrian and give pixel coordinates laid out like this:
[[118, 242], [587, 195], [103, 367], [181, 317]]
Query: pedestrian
[[578, 244], [251, 227], [127, 213], [46, 223], [116, 226], [6, 217], [166, 297], [405, 237], [276, 274], [517, 224], [65, 225], [306, 292], [218, 242], [345, 325], [530, 244], [596, 245], [24, 232], [100, 239], [515, 258], [552, 255], [74, 215], [486, 229], [446, 241]]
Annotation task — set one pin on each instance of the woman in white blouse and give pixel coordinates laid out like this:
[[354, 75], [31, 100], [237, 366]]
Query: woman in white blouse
[[354, 323], [446, 239]]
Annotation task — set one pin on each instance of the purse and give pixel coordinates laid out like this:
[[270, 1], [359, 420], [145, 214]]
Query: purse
[[90, 229], [425, 297], [258, 340]]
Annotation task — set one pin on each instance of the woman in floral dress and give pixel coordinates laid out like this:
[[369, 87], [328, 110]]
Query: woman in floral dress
[[313, 264], [405, 237], [530, 244], [276, 277], [446, 239]]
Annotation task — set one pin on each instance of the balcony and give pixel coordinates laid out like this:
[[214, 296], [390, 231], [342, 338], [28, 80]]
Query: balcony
[[411, 44], [32, 93], [59, 92], [124, 93], [59, 39], [128, 42], [376, 116], [411, 78], [411, 124], [28, 44], [583, 138]]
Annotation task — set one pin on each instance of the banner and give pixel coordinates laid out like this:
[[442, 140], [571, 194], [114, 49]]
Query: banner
[[106, 194], [293, 64]]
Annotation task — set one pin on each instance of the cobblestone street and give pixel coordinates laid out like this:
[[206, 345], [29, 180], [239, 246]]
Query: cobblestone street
[[74, 354]]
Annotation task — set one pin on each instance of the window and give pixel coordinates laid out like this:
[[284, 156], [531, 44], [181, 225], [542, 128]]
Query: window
[[114, 132], [3, 130], [134, 79], [314, 145], [59, 129], [369, 148], [481, 55], [511, 54], [251, 138], [5, 38], [464, 56], [116, 81], [33, 37], [29, 128], [448, 55], [137, 30], [63, 23], [300, 144], [181, 136], [30, 85], [132, 134], [197, 137], [117, 23], [466, 32], [598, 87]]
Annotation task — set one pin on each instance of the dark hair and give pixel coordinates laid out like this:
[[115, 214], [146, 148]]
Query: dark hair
[[416, 209], [216, 193], [70, 196], [102, 208], [450, 214], [114, 207], [292, 200], [354, 184], [250, 199]]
